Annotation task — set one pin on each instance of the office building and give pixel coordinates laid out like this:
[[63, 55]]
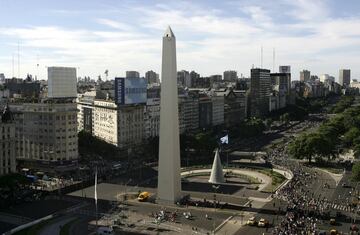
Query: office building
[[281, 82], [194, 76], [284, 69], [188, 112], [235, 106], [218, 103], [230, 76], [20, 88], [152, 117], [132, 74], [305, 75], [344, 77], [183, 78], [260, 90], [2, 78], [85, 106], [215, 79], [7, 142], [205, 111], [152, 77], [62, 82], [46, 134]]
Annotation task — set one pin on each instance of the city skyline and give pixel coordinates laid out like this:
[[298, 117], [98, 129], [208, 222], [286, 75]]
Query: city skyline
[[93, 36]]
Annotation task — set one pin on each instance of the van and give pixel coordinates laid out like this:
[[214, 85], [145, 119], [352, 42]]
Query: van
[[143, 196], [105, 231]]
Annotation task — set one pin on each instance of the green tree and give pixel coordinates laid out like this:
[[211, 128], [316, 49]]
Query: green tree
[[356, 171], [351, 135]]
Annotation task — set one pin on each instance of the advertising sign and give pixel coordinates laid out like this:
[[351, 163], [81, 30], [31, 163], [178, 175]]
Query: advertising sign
[[130, 90]]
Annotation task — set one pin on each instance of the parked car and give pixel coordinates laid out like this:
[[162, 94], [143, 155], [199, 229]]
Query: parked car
[[263, 223], [251, 221]]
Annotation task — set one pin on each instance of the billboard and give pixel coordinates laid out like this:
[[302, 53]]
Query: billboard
[[130, 90]]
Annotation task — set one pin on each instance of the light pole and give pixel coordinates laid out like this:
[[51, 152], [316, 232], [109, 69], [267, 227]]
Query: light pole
[[215, 187]]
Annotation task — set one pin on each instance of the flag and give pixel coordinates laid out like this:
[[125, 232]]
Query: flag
[[95, 196], [225, 139]]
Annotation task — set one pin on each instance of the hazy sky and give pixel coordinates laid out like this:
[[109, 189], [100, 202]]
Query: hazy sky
[[212, 36]]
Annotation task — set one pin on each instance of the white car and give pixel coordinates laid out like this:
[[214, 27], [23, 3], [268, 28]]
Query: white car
[[251, 221], [263, 223]]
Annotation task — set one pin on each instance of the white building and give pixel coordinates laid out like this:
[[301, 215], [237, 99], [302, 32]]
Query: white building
[[46, 133], [122, 125], [105, 124], [152, 117], [61, 82]]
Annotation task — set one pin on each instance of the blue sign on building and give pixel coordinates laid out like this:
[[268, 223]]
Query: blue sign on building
[[130, 90]]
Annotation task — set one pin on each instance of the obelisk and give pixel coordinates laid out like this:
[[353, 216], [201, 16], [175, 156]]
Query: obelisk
[[169, 181]]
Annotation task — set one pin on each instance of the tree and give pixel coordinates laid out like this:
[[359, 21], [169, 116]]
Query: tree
[[351, 135], [356, 171]]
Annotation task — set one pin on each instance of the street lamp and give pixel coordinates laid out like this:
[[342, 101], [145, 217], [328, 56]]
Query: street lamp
[[215, 187]]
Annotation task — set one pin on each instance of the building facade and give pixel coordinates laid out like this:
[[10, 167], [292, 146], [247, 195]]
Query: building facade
[[120, 125], [132, 74], [62, 82], [305, 75], [46, 133], [188, 112], [260, 89], [105, 122], [205, 111], [344, 77], [183, 78], [7, 143], [152, 77], [230, 76], [152, 117], [218, 104]]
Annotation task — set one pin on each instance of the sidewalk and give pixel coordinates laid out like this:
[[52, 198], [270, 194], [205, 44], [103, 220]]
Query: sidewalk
[[54, 228]]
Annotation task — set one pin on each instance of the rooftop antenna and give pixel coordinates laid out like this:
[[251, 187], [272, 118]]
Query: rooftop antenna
[[37, 67], [13, 64], [274, 60], [261, 57], [18, 59]]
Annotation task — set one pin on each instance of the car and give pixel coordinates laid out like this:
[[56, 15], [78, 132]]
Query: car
[[251, 221], [143, 196], [332, 221], [263, 223], [333, 232], [105, 231]]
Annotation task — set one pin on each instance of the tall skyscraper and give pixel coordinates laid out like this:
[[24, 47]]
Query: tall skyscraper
[[284, 69], [230, 76], [152, 77], [132, 74], [260, 89], [281, 82], [305, 75], [61, 82], [183, 78], [344, 77], [169, 184], [194, 76]]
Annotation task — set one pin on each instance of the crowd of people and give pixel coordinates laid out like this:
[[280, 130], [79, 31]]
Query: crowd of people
[[305, 209]]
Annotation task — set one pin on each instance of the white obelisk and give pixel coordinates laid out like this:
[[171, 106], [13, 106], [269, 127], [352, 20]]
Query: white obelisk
[[169, 181]]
